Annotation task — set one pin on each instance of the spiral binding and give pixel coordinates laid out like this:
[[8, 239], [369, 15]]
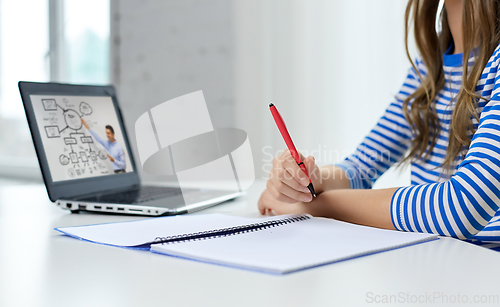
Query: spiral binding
[[229, 231]]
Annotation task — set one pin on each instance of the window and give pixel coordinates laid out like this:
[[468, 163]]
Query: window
[[79, 54], [86, 42], [24, 50]]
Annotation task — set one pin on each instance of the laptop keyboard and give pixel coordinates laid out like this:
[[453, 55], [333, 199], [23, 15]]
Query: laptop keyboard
[[135, 196]]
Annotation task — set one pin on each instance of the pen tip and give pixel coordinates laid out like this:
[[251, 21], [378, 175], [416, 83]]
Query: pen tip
[[311, 189], [271, 105]]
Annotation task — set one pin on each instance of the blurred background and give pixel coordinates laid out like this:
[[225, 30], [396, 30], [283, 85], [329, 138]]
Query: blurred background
[[331, 67]]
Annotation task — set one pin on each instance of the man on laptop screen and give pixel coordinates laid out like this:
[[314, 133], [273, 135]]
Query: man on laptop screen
[[73, 147], [85, 156], [115, 152]]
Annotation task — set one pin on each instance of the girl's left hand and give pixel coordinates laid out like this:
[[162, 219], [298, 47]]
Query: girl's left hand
[[268, 205]]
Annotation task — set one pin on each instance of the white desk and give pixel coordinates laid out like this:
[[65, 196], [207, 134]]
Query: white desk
[[39, 267]]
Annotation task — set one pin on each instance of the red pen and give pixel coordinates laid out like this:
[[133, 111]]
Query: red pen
[[289, 143]]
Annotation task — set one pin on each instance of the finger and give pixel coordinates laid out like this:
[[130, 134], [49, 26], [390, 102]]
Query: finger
[[300, 194], [277, 195], [287, 178], [268, 205], [291, 166], [261, 205], [279, 173]]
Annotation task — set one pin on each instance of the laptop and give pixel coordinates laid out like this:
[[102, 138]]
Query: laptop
[[86, 159]]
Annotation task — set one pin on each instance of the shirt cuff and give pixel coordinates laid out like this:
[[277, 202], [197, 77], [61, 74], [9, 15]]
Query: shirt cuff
[[397, 209]]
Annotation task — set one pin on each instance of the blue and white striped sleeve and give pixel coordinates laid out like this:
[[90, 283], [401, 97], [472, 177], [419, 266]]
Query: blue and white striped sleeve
[[463, 205], [385, 145]]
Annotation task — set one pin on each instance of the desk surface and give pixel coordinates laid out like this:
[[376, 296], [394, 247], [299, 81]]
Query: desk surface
[[40, 267]]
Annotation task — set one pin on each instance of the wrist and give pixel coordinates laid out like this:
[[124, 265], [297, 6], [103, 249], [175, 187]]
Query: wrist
[[332, 178], [319, 185]]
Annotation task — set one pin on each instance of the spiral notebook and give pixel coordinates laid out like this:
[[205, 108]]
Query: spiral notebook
[[278, 245]]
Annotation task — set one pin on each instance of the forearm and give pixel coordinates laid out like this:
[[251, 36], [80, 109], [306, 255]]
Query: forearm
[[364, 207], [96, 137], [332, 178]]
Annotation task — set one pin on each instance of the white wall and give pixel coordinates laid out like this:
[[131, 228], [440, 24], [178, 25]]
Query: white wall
[[164, 49], [330, 66]]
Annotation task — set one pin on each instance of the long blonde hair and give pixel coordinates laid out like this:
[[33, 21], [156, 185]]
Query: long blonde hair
[[418, 108]]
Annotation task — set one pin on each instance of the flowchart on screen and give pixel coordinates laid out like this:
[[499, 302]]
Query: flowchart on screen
[[78, 154]]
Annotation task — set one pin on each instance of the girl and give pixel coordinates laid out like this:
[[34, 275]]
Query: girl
[[445, 122]]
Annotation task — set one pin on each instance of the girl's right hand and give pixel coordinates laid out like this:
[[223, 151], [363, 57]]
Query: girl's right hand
[[288, 183]]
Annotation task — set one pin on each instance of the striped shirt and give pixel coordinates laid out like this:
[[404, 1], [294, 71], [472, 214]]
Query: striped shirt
[[464, 204]]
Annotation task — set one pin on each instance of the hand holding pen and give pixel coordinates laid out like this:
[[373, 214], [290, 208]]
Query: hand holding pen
[[292, 179]]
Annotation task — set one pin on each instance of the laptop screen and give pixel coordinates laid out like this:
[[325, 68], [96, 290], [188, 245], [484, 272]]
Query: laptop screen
[[81, 136]]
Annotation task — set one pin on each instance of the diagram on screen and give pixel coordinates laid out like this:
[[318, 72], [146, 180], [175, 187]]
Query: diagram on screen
[[79, 154]]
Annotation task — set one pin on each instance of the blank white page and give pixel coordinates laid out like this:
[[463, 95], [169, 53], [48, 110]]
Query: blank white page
[[294, 246], [134, 233]]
